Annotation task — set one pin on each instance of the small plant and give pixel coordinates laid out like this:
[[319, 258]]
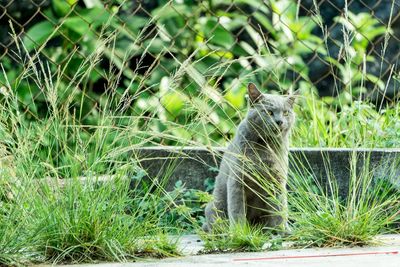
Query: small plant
[[236, 237], [53, 205], [182, 209], [187, 211], [88, 222], [322, 217], [356, 124]]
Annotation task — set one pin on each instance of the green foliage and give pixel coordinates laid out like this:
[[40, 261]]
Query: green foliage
[[79, 222], [320, 217], [48, 211], [188, 210], [356, 124], [237, 237], [191, 90], [85, 223], [182, 209]]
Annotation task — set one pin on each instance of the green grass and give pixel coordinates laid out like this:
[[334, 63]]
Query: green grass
[[234, 238], [322, 216], [85, 223], [355, 124], [82, 222], [49, 212]]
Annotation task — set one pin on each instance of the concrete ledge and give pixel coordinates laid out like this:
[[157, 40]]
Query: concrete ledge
[[193, 165], [386, 254]]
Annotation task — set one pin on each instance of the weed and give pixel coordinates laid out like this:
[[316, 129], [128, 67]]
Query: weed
[[322, 217], [235, 237]]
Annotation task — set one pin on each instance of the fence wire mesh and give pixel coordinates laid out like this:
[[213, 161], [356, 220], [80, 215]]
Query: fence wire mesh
[[187, 63]]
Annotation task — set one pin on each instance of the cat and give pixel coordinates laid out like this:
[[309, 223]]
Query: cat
[[251, 183]]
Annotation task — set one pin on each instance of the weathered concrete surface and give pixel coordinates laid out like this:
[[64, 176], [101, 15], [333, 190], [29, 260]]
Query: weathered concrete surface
[[194, 165], [385, 255], [190, 244], [191, 165]]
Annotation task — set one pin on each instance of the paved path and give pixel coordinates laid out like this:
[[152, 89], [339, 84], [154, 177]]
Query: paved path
[[385, 255]]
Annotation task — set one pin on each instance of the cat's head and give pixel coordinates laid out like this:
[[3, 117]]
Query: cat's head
[[270, 115]]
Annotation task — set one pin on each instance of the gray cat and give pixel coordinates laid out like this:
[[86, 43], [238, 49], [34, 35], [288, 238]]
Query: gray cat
[[251, 183]]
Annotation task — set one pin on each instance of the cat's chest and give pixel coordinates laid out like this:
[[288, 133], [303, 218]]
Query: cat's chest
[[264, 161], [260, 153]]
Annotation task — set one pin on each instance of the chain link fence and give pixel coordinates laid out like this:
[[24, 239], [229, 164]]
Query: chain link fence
[[187, 63]]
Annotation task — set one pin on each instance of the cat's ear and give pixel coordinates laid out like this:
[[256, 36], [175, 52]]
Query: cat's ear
[[291, 99], [254, 93]]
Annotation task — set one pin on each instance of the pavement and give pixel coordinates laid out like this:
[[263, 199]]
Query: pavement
[[387, 254]]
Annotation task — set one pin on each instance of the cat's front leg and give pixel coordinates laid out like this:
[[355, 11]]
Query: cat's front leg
[[236, 201]]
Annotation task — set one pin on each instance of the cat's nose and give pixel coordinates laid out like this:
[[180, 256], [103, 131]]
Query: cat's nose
[[279, 122]]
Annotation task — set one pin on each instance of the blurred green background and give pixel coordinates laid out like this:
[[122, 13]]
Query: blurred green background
[[180, 68]]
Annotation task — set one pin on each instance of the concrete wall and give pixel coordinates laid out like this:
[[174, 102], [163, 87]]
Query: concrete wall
[[193, 165]]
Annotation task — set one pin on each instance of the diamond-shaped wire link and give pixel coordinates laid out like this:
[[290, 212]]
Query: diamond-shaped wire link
[[152, 41]]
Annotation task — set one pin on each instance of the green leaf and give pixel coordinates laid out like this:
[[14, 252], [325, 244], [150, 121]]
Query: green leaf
[[304, 47], [135, 23], [76, 24], [61, 7], [378, 82], [217, 34], [265, 22], [95, 16], [170, 11], [173, 102], [38, 34], [236, 97], [92, 3]]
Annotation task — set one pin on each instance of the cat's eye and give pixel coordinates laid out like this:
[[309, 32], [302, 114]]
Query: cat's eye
[[285, 113], [269, 112]]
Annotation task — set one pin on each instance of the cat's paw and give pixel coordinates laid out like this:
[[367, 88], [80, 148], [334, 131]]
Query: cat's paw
[[206, 228]]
